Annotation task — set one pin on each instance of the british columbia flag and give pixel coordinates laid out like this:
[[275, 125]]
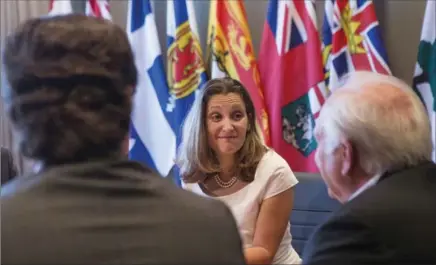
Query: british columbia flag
[[351, 40]]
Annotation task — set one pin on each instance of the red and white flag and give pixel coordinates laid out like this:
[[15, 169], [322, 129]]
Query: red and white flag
[[98, 8], [291, 69]]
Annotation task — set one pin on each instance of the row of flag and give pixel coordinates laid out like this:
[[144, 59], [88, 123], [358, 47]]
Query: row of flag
[[294, 74]]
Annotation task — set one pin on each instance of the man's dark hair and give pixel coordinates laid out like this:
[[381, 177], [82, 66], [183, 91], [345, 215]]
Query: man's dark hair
[[71, 80]]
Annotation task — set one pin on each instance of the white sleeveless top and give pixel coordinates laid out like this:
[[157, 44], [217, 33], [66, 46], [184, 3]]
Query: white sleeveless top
[[273, 176]]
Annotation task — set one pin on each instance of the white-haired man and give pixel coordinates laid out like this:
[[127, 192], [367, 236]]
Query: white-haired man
[[374, 155]]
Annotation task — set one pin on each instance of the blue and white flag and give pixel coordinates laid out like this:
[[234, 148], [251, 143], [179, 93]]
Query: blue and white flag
[[152, 139], [185, 67], [186, 73]]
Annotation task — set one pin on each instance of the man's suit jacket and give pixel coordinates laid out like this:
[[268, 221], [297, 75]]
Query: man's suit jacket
[[115, 212], [393, 222], [7, 167]]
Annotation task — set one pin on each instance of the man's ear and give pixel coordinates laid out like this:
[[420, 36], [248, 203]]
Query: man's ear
[[130, 90], [348, 155]]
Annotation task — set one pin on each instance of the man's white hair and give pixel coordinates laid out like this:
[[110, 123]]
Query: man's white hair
[[386, 137]]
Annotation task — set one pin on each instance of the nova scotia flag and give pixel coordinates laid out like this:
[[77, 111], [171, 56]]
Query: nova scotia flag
[[185, 68], [152, 139]]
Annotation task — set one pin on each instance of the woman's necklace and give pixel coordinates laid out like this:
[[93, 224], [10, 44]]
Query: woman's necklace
[[224, 184]]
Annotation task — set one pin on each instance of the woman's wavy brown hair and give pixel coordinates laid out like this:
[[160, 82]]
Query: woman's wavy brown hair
[[70, 88], [196, 159]]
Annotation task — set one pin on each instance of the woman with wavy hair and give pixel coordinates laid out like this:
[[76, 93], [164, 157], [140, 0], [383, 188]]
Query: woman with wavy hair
[[223, 155]]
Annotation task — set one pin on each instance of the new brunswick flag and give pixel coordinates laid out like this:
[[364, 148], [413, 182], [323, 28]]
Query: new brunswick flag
[[230, 52]]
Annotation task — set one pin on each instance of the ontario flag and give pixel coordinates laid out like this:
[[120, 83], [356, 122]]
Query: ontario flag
[[60, 7], [352, 40], [424, 81], [186, 73], [98, 8], [291, 70], [230, 53]]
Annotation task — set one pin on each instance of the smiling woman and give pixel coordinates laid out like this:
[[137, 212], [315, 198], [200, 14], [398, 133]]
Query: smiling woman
[[222, 155], [219, 130]]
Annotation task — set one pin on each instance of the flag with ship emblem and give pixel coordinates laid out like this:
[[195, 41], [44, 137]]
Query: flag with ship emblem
[[230, 53], [352, 40], [424, 82], [291, 70]]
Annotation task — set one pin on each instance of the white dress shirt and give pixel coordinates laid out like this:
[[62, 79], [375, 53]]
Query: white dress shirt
[[371, 182]]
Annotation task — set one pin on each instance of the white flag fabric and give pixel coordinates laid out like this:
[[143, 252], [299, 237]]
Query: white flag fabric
[[60, 7], [186, 73]]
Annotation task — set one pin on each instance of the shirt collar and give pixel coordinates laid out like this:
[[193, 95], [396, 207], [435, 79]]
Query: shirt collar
[[371, 182]]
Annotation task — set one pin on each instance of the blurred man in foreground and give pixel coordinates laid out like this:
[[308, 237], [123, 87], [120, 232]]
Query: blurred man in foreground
[[70, 100], [374, 155]]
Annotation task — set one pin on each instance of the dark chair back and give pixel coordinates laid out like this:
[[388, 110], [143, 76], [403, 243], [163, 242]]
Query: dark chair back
[[312, 206]]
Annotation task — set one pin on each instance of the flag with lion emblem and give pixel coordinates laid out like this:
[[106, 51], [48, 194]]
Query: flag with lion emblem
[[231, 53], [186, 73]]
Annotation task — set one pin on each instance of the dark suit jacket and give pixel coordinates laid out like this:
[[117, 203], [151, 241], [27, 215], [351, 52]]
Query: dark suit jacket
[[393, 222], [7, 167], [112, 213]]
